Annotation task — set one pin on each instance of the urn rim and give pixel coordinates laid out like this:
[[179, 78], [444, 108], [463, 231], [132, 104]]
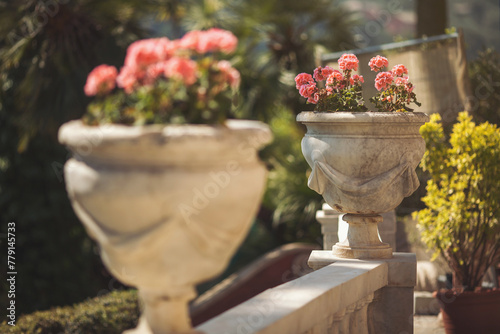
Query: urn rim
[[74, 132], [165, 146], [361, 117]]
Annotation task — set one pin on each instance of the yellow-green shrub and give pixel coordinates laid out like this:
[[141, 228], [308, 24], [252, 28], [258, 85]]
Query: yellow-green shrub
[[461, 220]]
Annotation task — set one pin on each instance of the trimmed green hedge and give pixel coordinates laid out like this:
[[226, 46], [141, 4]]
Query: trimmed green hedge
[[108, 314]]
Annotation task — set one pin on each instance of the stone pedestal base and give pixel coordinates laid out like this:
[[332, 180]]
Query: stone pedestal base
[[363, 240], [163, 314]]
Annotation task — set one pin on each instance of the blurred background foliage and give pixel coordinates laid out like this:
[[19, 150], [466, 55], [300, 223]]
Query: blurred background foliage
[[47, 48]]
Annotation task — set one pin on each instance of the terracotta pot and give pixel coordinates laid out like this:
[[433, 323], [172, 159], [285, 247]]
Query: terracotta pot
[[168, 205], [470, 312]]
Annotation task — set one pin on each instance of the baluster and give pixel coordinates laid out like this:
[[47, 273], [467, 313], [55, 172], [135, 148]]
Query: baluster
[[346, 321], [359, 320], [336, 320]]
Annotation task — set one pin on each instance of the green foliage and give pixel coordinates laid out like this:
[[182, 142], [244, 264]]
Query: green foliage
[[350, 99], [112, 313], [396, 98], [485, 80], [462, 215], [343, 92]]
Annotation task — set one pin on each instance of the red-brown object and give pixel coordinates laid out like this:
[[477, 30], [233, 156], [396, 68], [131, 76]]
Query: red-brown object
[[470, 312]]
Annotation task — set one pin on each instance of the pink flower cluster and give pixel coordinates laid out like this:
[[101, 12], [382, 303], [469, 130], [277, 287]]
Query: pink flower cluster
[[384, 80], [211, 40], [306, 85], [335, 80], [303, 79], [342, 90], [147, 60], [230, 74], [356, 79], [101, 80], [395, 89], [348, 62], [322, 73], [399, 70], [377, 63]]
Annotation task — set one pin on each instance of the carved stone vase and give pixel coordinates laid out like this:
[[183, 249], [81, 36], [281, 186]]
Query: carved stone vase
[[168, 205], [363, 163]]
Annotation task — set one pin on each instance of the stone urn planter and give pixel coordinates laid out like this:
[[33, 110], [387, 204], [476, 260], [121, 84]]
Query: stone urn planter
[[168, 205], [363, 164]]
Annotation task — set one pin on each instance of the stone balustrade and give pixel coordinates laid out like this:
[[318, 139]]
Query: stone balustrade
[[340, 296]]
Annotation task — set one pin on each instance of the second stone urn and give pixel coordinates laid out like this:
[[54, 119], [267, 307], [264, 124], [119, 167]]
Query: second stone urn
[[363, 164], [168, 205]]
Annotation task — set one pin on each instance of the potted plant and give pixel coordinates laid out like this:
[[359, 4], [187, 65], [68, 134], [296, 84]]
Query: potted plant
[[363, 163], [461, 220], [160, 179]]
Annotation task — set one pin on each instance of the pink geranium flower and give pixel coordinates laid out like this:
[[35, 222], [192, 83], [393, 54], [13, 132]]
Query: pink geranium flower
[[181, 68], [400, 81], [334, 79], [127, 79], [303, 79], [230, 73], [101, 80], [143, 53], [211, 40], [383, 80], [356, 79], [225, 41], [308, 90], [404, 81], [348, 62], [154, 71], [313, 98], [321, 73], [377, 63], [399, 70], [190, 40]]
